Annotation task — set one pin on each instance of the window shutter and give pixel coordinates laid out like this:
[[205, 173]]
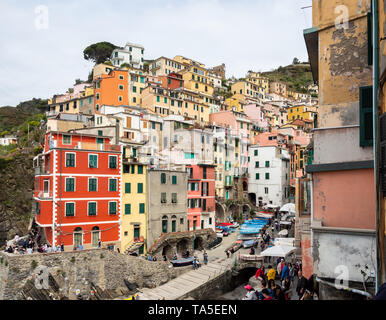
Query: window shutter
[[366, 116], [382, 164], [369, 39]]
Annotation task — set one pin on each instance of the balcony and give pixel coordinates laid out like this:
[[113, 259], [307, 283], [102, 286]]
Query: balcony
[[45, 195], [42, 170]]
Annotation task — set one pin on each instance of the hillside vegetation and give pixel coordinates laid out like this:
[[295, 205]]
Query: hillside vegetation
[[295, 76], [27, 123]]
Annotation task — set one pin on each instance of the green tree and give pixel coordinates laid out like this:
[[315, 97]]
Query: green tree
[[99, 52]]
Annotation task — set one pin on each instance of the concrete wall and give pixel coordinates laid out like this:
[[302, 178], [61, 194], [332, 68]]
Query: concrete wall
[[344, 199], [354, 251], [339, 145]]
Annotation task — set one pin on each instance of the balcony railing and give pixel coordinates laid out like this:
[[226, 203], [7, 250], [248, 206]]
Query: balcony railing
[[42, 170], [90, 146]]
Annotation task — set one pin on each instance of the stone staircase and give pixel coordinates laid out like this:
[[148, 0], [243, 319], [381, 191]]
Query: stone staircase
[[189, 281]]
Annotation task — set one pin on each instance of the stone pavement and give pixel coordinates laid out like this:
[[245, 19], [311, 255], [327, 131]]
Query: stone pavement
[[191, 280]]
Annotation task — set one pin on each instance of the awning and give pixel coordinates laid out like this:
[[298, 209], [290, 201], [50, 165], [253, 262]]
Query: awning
[[288, 207], [311, 37], [278, 251]]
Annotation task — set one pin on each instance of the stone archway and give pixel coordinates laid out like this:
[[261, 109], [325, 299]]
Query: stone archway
[[234, 211], [252, 198], [167, 251], [182, 246], [198, 243], [220, 213]]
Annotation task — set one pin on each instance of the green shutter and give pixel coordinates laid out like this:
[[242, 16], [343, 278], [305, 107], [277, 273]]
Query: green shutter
[[369, 39], [92, 184], [113, 185], [140, 169], [127, 187], [174, 179], [141, 208], [127, 208], [70, 184], [163, 178], [140, 187], [70, 209], [112, 208], [267, 176], [366, 116], [92, 209], [257, 176]]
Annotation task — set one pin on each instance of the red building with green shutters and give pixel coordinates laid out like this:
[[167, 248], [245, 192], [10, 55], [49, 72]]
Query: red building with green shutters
[[201, 196], [77, 190]]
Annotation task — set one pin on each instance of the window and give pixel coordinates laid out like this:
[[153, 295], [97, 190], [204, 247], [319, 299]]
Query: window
[[70, 209], [163, 197], [132, 169], [120, 87], [257, 176], [66, 139], [92, 184], [112, 162], [70, 184], [127, 187], [256, 153], [93, 161], [266, 190], [92, 208], [112, 184], [158, 99], [141, 208], [366, 116], [267, 175], [267, 164], [163, 178], [127, 208], [164, 224], [112, 207], [165, 100], [256, 164], [174, 179], [140, 188], [174, 197], [140, 169], [70, 159], [134, 89]]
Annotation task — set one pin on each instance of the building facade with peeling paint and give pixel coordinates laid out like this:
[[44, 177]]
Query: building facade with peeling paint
[[343, 207]]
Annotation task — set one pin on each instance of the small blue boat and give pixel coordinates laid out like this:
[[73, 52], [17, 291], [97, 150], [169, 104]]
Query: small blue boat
[[182, 262]]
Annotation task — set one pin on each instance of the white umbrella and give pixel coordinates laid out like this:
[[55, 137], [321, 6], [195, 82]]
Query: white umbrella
[[278, 251], [284, 241], [288, 207], [283, 232]]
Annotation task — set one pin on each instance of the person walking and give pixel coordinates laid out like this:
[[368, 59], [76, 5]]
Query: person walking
[[284, 272], [291, 272], [260, 273], [287, 288], [271, 274], [302, 284], [205, 255], [279, 267]]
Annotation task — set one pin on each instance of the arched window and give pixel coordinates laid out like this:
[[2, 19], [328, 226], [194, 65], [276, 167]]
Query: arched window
[[164, 224], [95, 236], [78, 237], [174, 223]]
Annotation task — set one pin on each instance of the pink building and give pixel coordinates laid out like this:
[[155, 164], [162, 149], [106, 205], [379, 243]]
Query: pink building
[[257, 116], [201, 196]]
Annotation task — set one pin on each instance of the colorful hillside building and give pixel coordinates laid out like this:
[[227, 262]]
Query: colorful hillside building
[[78, 190]]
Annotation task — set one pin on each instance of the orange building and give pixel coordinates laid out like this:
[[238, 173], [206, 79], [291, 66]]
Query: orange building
[[111, 89]]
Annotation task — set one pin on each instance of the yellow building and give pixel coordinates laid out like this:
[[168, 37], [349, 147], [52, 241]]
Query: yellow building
[[260, 81], [301, 112], [185, 102], [237, 101], [79, 99], [134, 207]]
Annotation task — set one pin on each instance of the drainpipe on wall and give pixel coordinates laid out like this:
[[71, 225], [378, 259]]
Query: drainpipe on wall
[[312, 215], [375, 40], [363, 293]]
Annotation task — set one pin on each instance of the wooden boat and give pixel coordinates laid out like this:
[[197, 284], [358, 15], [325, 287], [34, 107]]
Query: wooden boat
[[248, 243], [182, 262]]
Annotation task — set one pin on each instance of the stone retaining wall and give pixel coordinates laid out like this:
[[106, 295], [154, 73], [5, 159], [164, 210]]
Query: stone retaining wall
[[85, 270]]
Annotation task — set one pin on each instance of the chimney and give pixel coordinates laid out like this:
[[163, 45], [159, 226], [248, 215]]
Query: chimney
[[117, 132]]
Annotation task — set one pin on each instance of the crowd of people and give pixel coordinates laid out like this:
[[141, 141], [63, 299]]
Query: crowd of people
[[278, 283]]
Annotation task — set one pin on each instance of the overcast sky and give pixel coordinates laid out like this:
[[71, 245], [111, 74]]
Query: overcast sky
[[39, 59]]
